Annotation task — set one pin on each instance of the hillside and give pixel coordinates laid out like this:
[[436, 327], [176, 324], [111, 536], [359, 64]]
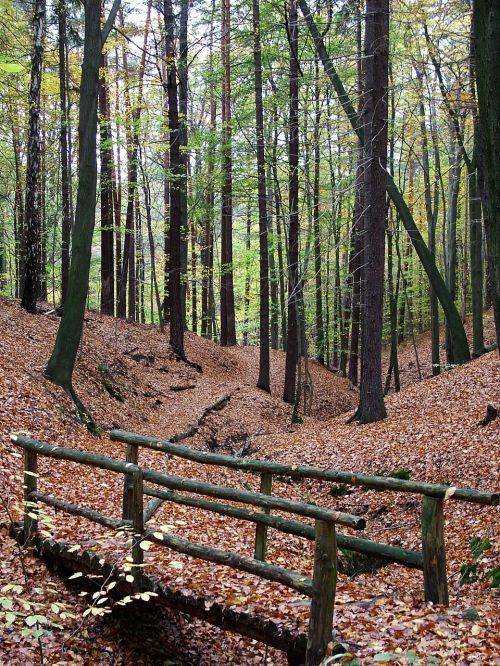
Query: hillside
[[432, 430]]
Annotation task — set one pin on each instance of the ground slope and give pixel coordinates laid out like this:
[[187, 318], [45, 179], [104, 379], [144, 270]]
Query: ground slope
[[432, 430]]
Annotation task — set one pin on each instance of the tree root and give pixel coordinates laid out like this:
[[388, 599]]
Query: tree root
[[181, 356], [86, 417], [492, 411]]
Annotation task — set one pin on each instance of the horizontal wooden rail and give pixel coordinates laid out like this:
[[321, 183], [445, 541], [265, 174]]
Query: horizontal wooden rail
[[306, 471], [74, 510], [255, 499], [291, 579], [321, 589], [409, 558], [73, 455]]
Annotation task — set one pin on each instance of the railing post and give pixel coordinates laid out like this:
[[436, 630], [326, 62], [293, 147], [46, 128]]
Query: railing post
[[30, 485], [323, 599], [434, 552], [132, 456], [136, 508], [266, 483]]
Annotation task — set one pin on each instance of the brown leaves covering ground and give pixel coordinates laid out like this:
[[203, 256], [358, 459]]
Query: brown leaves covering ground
[[432, 429]]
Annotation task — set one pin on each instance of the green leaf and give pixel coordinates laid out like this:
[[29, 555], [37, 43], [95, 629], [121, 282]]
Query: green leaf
[[176, 565], [33, 619], [11, 67], [386, 656]]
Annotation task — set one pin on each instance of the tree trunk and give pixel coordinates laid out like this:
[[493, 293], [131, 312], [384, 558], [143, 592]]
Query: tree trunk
[[62, 361], [486, 17], [63, 143], [263, 381], [371, 406], [228, 324], [176, 200], [320, 333], [208, 242], [451, 239], [31, 290], [107, 236], [431, 231], [293, 207]]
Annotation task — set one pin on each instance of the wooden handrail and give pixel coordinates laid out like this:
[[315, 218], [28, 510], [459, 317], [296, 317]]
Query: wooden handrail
[[73, 455], [409, 558], [255, 499], [306, 471], [321, 588]]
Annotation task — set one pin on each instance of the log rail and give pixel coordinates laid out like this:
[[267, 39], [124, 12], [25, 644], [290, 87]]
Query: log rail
[[321, 588], [431, 560], [257, 509]]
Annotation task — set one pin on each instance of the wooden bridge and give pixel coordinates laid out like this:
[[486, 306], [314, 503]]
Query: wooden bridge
[[300, 648]]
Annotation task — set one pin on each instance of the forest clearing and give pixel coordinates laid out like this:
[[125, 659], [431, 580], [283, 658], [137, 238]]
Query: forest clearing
[[249, 332]]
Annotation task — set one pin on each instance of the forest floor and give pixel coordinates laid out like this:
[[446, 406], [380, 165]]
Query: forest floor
[[432, 429]]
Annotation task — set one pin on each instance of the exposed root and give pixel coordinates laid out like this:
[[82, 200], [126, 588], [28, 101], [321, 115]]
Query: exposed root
[[86, 417]]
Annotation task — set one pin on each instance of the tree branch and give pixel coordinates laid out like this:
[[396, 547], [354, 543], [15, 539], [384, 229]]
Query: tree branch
[[110, 21]]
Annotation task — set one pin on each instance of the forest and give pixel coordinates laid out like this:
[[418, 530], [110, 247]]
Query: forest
[[249, 228]]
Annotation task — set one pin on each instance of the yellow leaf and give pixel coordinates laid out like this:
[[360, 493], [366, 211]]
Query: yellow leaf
[[449, 492]]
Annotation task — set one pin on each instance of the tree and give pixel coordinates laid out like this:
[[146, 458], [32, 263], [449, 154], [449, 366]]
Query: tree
[[460, 344], [107, 236], [62, 361], [371, 404], [292, 342], [486, 17], [31, 291], [63, 143], [263, 380], [176, 198], [228, 324]]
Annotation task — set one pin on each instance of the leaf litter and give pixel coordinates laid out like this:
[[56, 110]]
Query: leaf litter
[[432, 430]]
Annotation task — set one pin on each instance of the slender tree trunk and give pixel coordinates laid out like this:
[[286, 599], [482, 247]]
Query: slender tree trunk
[[228, 324], [107, 236], [289, 393], [31, 290], [371, 406], [182, 72], [19, 211], [176, 199], [272, 270], [320, 332], [431, 231], [208, 242], [263, 381], [475, 221], [451, 239], [63, 143], [152, 249], [248, 262], [279, 236]]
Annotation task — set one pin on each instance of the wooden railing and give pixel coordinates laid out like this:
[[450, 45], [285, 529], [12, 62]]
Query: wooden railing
[[432, 558], [321, 589]]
